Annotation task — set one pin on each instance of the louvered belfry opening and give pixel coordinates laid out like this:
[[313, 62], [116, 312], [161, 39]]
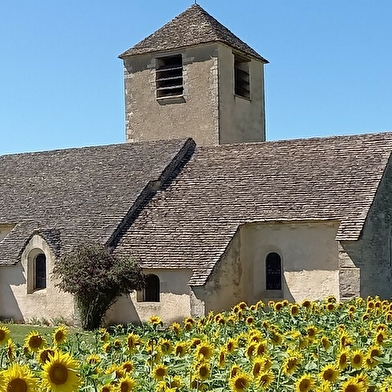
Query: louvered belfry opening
[[169, 80], [241, 77]]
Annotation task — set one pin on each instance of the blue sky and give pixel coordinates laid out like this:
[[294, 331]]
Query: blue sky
[[61, 83]]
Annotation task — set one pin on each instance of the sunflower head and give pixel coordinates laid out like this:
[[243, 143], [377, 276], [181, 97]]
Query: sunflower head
[[176, 328], [127, 366], [160, 372], [265, 379], [18, 378], [11, 350], [59, 335], [305, 383], [181, 348], [353, 385], [202, 370], [343, 358], [205, 350], [240, 382], [59, 374], [356, 359], [155, 321], [4, 334], [126, 384], [43, 355], [329, 373], [34, 341]]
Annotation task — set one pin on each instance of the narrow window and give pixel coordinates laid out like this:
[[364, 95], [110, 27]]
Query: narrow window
[[273, 272], [241, 76], [40, 271], [169, 81], [151, 293]]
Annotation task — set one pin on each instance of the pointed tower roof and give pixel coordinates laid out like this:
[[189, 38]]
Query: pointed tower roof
[[192, 27]]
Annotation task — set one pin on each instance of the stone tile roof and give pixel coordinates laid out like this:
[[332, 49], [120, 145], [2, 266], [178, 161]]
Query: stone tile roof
[[192, 27], [190, 224], [67, 196]]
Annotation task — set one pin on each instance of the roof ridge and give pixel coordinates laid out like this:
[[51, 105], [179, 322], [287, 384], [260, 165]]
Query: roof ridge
[[192, 27]]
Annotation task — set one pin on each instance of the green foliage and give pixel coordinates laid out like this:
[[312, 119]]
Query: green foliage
[[96, 277]]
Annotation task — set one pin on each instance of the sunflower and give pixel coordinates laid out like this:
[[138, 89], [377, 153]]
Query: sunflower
[[43, 355], [10, 350], [278, 306], [202, 370], [176, 328], [165, 346], [343, 358], [380, 337], [231, 345], [235, 369], [176, 382], [222, 358], [34, 341], [290, 364], [93, 359], [205, 350], [59, 374], [59, 335], [132, 341], [181, 348], [304, 384], [306, 303], [250, 350], [265, 379], [155, 320], [276, 338], [261, 348], [126, 384], [104, 335], [353, 385], [115, 370], [258, 367], [325, 342], [128, 366], [356, 359], [329, 373], [107, 388], [375, 351], [240, 382], [18, 378], [4, 334], [294, 310], [311, 331], [160, 372]]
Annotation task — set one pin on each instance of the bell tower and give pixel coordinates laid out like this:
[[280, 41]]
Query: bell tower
[[194, 78]]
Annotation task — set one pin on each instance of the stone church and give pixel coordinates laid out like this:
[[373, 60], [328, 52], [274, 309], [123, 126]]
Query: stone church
[[213, 213]]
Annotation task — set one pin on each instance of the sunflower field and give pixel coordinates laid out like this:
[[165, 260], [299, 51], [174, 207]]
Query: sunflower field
[[279, 346]]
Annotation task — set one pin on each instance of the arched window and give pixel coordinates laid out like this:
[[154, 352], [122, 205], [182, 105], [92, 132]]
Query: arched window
[[40, 271], [273, 266], [151, 293]]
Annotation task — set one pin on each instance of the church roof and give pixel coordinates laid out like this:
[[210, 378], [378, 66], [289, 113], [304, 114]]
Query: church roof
[[192, 27], [190, 224], [80, 194]]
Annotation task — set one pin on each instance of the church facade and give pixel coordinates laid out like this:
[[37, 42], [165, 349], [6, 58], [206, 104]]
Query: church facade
[[212, 212]]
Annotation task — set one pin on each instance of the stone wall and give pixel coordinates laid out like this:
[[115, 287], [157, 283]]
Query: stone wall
[[370, 258]]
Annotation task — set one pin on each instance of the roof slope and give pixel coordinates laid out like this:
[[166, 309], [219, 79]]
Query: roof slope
[[192, 27], [79, 194], [191, 223]]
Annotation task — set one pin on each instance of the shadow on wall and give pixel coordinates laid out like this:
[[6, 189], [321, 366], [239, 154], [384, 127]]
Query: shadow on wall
[[9, 307], [122, 312]]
